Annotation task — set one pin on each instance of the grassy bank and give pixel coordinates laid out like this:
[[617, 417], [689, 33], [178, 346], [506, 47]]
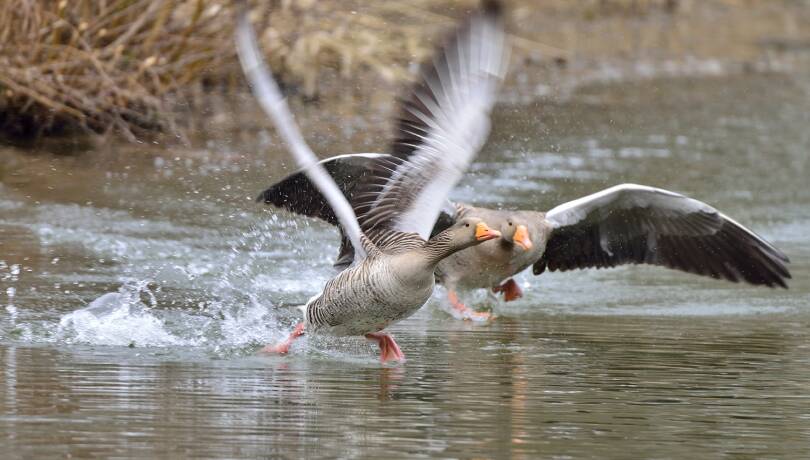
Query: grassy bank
[[138, 67]]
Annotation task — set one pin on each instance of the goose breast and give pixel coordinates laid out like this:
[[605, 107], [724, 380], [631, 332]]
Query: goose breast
[[368, 297]]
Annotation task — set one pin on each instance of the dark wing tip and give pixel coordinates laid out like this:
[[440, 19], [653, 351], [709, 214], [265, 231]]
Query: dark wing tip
[[783, 276], [492, 8], [275, 195], [264, 196], [539, 267], [732, 253]]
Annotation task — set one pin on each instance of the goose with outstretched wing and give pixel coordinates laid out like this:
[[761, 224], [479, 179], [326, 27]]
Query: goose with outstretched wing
[[636, 224], [624, 224], [443, 123]]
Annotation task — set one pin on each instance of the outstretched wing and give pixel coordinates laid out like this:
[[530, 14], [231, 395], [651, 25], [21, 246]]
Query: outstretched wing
[[443, 122], [296, 193], [267, 92], [635, 224]]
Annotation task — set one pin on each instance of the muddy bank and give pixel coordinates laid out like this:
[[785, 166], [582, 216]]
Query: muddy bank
[[559, 49]]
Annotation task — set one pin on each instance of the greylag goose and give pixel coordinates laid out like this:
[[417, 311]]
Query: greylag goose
[[444, 121], [624, 224]]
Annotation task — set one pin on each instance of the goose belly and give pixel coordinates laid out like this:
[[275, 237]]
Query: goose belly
[[485, 267], [361, 301], [485, 276]]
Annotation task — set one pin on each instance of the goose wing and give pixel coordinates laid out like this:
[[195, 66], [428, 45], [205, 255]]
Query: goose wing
[[297, 194], [635, 224], [443, 122], [267, 92]]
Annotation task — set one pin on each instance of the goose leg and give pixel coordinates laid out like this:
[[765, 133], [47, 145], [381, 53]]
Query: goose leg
[[284, 347], [389, 350], [511, 290], [466, 312]]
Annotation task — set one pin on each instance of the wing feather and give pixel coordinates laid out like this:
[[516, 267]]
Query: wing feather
[[634, 224], [443, 122], [297, 194], [269, 95]]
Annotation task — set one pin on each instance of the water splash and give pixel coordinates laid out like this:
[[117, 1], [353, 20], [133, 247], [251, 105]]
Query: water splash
[[118, 318], [190, 288]]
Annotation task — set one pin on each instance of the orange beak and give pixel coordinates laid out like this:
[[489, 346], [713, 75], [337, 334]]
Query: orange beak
[[522, 237], [484, 233]]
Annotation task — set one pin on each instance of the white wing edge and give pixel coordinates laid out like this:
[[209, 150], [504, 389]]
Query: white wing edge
[[344, 156], [572, 212], [368, 155], [272, 102], [459, 120]]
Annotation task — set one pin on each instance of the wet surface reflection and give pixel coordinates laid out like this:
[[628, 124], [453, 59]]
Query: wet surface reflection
[[178, 277]]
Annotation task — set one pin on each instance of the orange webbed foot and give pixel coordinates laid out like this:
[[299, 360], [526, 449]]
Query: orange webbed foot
[[284, 346], [510, 289], [466, 313], [389, 350]]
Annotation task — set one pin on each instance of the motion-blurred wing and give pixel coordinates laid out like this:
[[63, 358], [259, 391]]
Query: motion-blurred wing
[[444, 121], [634, 224], [267, 92], [297, 194]]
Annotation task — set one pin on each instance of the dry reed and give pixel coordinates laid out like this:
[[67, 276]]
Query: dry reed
[[113, 65], [100, 65], [133, 66]]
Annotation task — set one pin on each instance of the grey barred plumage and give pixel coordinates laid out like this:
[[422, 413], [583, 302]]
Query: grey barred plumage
[[393, 241], [362, 299], [388, 285], [401, 196]]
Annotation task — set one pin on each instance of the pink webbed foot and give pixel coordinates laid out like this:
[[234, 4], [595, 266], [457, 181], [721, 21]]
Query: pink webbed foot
[[389, 350], [466, 312], [511, 290], [284, 346]]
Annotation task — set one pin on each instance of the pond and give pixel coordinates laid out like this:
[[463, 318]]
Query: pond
[[137, 286]]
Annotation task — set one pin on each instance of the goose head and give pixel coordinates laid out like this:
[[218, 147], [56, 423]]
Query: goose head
[[461, 235], [513, 231], [471, 231]]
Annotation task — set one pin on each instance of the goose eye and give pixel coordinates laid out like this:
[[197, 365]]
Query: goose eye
[[510, 224], [467, 225]]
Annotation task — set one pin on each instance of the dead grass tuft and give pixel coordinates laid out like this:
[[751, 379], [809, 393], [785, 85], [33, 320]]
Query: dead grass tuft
[[113, 65], [101, 65]]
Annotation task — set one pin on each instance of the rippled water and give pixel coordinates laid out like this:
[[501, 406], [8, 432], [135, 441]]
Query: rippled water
[[137, 286]]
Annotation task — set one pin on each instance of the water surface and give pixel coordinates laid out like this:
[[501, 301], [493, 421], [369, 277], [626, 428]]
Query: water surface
[[137, 286]]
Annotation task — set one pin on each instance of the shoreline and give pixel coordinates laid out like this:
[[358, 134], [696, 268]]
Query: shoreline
[[559, 48]]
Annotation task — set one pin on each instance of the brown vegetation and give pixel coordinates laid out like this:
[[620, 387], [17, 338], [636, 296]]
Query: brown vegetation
[[114, 64], [133, 66], [100, 65]]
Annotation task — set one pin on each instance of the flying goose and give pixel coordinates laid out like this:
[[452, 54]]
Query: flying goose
[[444, 121], [624, 224]]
